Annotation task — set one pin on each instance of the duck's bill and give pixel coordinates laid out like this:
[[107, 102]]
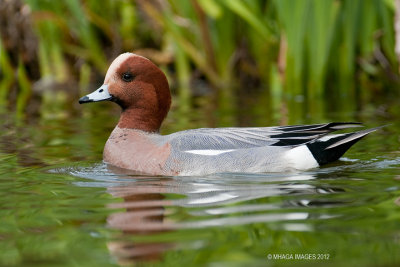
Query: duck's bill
[[100, 94]]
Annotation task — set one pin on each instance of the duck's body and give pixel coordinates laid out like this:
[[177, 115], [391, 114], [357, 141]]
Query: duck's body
[[142, 91]]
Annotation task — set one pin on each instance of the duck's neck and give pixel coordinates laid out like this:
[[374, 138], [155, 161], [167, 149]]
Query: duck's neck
[[140, 119]]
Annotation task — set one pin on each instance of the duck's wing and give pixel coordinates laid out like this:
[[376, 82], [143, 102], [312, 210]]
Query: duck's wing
[[241, 138]]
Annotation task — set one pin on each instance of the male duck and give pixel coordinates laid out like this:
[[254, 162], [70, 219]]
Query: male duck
[[142, 91]]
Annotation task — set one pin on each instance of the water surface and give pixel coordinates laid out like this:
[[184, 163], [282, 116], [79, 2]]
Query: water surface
[[61, 206]]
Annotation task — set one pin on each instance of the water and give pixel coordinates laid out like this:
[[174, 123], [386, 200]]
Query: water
[[61, 206]]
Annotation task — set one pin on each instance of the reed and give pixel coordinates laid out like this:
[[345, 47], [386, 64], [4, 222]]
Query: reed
[[310, 48], [7, 76]]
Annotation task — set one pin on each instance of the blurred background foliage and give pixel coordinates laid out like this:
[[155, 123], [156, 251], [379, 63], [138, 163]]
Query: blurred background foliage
[[229, 63], [285, 51]]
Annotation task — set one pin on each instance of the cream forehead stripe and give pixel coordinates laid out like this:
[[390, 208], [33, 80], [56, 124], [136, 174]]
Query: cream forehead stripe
[[115, 65], [118, 62]]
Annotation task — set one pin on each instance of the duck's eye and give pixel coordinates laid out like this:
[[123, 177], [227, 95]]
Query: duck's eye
[[127, 77]]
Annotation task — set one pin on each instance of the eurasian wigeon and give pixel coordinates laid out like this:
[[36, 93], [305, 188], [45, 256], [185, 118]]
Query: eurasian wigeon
[[141, 89]]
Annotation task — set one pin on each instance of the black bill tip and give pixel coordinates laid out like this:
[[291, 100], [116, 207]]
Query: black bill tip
[[85, 99]]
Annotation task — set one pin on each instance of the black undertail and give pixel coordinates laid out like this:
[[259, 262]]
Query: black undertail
[[332, 149], [324, 148]]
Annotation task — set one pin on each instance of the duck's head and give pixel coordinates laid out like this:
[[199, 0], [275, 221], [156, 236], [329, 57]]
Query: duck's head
[[140, 88]]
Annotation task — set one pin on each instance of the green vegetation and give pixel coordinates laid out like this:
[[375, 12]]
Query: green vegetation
[[230, 63], [292, 50]]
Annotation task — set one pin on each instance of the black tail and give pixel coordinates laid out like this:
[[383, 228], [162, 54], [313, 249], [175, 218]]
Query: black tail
[[325, 151]]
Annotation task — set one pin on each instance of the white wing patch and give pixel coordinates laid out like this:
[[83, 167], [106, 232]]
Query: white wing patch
[[208, 152]]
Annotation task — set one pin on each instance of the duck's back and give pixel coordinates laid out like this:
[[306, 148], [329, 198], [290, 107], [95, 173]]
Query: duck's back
[[264, 149]]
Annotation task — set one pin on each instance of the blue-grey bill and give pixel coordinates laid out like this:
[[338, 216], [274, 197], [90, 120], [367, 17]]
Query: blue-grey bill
[[100, 94]]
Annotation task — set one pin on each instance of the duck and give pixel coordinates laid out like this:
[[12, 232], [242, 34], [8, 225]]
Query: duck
[[142, 91]]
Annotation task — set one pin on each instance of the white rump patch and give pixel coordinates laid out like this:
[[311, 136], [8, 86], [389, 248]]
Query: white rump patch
[[301, 158], [208, 152]]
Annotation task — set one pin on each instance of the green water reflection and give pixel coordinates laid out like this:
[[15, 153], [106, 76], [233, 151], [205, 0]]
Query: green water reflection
[[60, 206]]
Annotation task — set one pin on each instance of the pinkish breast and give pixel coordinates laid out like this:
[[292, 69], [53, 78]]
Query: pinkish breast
[[137, 150]]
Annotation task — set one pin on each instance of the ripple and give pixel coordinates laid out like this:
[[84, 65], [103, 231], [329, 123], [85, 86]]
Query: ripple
[[328, 198]]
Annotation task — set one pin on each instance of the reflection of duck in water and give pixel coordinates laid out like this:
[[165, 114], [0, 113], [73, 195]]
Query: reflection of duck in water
[[144, 212], [142, 91], [143, 215], [152, 204]]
